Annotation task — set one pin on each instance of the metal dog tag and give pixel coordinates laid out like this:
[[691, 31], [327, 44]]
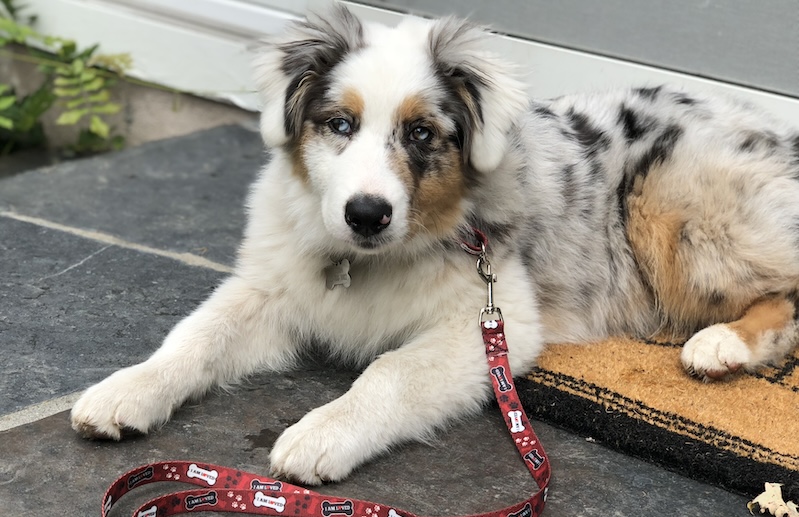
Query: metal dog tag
[[338, 274]]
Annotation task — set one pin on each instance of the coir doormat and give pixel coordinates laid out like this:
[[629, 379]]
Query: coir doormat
[[635, 397]]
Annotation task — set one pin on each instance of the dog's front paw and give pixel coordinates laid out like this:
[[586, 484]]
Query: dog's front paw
[[322, 447], [127, 400], [715, 352]]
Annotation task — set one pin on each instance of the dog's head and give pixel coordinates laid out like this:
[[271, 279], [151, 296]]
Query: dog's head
[[390, 127]]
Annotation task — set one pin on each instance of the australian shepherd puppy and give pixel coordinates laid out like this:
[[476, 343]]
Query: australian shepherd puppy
[[632, 212]]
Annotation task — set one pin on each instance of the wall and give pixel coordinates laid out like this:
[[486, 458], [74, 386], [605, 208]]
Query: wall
[[205, 46], [739, 41]]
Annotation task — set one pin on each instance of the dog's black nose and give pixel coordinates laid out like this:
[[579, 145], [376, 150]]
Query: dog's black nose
[[367, 215]]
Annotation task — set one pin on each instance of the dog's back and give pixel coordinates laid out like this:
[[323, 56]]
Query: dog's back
[[651, 210]]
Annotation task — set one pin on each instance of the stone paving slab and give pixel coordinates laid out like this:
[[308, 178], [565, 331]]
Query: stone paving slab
[[182, 194], [45, 469], [72, 309]]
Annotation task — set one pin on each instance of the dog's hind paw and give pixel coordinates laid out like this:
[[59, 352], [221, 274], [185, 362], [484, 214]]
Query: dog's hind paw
[[715, 352]]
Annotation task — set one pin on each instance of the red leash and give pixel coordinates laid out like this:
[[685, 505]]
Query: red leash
[[230, 490]]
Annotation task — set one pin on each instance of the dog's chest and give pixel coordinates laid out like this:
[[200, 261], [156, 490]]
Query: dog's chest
[[369, 304]]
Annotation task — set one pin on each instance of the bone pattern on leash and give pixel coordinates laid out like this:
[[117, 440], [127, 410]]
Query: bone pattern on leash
[[208, 499], [209, 476], [502, 379], [342, 508], [276, 503], [516, 422]]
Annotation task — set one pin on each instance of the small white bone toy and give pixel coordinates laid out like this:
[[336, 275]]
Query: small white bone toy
[[771, 500]]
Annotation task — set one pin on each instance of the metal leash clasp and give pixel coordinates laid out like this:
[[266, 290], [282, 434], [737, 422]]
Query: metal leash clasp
[[484, 270]]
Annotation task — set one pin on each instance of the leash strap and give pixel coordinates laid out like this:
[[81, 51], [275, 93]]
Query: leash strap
[[224, 489]]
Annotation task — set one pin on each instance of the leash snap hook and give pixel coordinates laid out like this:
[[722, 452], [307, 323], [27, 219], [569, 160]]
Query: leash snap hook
[[485, 272], [477, 247]]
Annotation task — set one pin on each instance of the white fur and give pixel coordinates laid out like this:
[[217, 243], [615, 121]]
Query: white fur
[[715, 351], [261, 317], [552, 181]]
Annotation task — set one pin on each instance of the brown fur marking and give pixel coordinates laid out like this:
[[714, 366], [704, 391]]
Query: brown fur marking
[[412, 108], [399, 164], [654, 238], [409, 110], [298, 166], [435, 198], [657, 238], [352, 103], [772, 313], [438, 197], [471, 104]]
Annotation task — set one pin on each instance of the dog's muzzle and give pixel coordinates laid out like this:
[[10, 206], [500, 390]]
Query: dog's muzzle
[[367, 215]]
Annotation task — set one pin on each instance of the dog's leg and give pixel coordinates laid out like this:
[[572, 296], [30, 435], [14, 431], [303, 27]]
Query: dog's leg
[[228, 336], [403, 395], [767, 331]]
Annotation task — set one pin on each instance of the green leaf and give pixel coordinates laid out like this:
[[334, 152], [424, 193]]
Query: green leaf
[[71, 117], [86, 54], [90, 86], [118, 142], [17, 32], [66, 92], [64, 70], [76, 103], [66, 81], [67, 50], [6, 123], [7, 102], [90, 143], [101, 96], [94, 85], [4, 88], [10, 27], [88, 74], [117, 63], [98, 127], [39, 101], [97, 98], [106, 109], [84, 77], [32, 107]]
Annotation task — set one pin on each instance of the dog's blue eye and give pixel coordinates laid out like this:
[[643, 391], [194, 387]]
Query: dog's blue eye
[[421, 134], [340, 126]]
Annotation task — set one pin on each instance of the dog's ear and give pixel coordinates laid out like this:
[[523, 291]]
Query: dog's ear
[[489, 96], [290, 69]]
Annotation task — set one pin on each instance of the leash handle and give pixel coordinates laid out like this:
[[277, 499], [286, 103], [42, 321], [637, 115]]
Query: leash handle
[[223, 489]]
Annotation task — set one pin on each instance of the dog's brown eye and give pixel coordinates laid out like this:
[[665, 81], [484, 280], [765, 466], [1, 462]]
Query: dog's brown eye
[[421, 134], [340, 125]]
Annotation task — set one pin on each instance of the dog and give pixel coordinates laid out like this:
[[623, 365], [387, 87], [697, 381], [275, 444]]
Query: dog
[[633, 212]]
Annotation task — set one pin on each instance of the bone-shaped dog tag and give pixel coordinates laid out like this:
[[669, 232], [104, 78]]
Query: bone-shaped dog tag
[[338, 274]]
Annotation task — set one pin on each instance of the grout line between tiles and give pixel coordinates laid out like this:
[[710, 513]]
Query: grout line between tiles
[[38, 411], [186, 258]]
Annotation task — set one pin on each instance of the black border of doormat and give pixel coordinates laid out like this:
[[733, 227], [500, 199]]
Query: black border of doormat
[[678, 453]]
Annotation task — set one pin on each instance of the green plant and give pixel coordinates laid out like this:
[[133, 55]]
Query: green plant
[[77, 83]]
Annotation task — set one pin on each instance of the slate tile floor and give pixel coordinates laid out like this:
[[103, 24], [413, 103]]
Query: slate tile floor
[[99, 258]]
